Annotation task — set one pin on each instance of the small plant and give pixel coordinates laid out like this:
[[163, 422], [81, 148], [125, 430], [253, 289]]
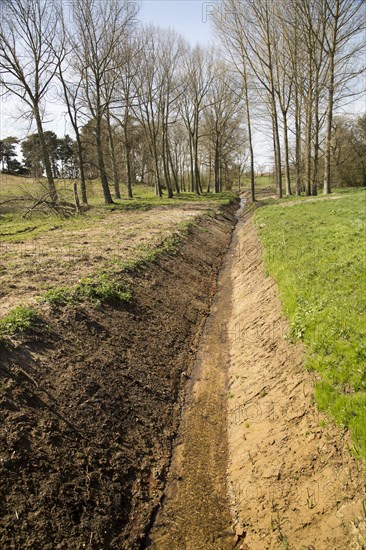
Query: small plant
[[19, 319], [103, 289], [57, 296]]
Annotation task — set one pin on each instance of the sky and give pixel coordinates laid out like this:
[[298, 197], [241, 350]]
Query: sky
[[189, 17]]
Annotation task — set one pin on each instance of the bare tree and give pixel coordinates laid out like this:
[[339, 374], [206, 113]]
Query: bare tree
[[223, 116], [129, 53], [28, 63], [147, 91], [72, 87], [230, 29], [99, 29], [249, 29], [170, 90], [344, 43], [199, 75]]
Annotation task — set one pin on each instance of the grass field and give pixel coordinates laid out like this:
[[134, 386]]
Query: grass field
[[81, 257], [14, 227], [316, 251]]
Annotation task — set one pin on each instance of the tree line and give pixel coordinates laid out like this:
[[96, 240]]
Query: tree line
[[145, 106], [298, 62]]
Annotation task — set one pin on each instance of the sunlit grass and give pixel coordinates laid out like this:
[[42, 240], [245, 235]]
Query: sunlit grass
[[316, 251]]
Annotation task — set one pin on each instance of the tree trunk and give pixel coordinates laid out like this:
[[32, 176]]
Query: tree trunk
[[197, 178], [175, 176], [316, 137], [287, 158], [328, 129], [191, 162], [249, 128], [298, 160], [103, 175], [276, 144], [166, 166], [158, 190], [46, 157], [217, 182], [309, 113], [128, 157], [76, 197], [117, 192], [277, 150], [251, 152], [84, 197]]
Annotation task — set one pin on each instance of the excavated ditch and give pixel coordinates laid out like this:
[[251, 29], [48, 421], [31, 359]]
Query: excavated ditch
[[184, 421], [90, 403]]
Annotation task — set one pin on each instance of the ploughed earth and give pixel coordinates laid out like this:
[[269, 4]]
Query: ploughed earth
[[184, 420]]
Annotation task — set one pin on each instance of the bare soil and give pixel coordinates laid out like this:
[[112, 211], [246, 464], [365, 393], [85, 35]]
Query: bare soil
[[251, 440], [185, 421], [90, 404], [195, 511]]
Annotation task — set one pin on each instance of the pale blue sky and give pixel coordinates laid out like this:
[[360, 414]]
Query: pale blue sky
[[188, 17]]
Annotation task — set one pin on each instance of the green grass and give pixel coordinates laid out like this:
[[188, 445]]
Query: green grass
[[18, 320], [145, 199], [316, 252], [102, 288]]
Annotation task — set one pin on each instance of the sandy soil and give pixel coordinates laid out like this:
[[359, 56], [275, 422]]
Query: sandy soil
[[60, 256], [195, 513], [291, 483]]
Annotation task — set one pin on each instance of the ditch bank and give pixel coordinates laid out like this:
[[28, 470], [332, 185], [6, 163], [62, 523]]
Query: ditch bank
[[90, 403]]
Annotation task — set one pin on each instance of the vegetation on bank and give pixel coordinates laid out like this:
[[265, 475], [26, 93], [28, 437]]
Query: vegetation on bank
[[110, 285], [18, 320], [113, 283], [316, 253]]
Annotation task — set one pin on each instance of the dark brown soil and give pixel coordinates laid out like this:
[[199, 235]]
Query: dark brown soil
[[90, 403]]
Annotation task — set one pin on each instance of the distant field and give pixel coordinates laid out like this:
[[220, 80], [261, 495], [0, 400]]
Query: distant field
[[316, 251], [47, 252]]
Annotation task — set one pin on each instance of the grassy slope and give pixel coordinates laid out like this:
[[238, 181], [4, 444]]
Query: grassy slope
[[316, 251]]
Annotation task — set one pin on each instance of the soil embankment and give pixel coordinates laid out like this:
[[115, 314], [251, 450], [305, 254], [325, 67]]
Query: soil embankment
[[250, 420], [90, 404], [293, 481], [195, 512]]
